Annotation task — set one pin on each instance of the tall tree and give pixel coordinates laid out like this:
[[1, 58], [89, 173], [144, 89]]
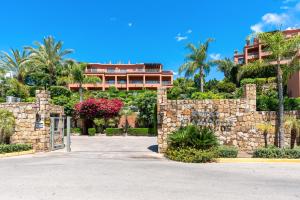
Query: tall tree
[[229, 68], [280, 47], [197, 61], [78, 77], [15, 62], [48, 55]]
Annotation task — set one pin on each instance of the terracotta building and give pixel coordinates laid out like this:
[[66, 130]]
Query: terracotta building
[[127, 76], [255, 51]]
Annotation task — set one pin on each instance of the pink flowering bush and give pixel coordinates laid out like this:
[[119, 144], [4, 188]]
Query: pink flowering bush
[[93, 108]]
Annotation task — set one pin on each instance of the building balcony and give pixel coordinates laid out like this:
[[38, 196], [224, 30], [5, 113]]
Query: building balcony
[[121, 71], [166, 83]]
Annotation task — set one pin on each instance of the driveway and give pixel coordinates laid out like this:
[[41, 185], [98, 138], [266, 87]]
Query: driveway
[[125, 168]]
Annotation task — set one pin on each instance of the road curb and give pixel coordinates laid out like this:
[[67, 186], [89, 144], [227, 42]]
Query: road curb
[[5, 155], [257, 160]]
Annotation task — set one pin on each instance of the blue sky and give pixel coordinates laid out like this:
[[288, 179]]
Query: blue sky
[[142, 30]]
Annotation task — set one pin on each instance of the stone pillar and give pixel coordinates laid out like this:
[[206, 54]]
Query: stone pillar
[[250, 96], [43, 123], [161, 114]]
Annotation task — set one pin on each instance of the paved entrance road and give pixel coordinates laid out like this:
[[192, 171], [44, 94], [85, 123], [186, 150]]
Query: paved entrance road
[[124, 168]]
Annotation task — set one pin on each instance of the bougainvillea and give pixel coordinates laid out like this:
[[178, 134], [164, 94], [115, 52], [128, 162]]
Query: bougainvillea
[[93, 108]]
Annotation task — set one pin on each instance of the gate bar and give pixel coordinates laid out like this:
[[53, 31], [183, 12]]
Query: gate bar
[[68, 134]]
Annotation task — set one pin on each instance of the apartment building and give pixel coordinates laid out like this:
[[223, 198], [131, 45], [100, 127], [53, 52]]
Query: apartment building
[[255, 50], [127, 76]]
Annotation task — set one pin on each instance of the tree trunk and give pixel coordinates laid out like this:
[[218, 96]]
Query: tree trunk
[[201, 79], [80, 92], [280, 114]]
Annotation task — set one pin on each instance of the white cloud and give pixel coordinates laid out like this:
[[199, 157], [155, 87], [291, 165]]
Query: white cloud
[[130, 24], [257, 28], [215, 56], [289, 17], [175, 73], [275, 19], [179, 37], [189, 31]]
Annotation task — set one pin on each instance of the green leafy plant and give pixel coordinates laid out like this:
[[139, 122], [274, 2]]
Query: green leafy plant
[[7, 125], [92, 79], [56, 91], [193, 136], [76, 130], [274, 152], [191, 155], [138, 131], [227, 151], [113, 131], [206, 95], [92, 131], [9, 148]]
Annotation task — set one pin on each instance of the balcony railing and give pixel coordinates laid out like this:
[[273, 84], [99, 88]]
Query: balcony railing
[[166, 82], [121, 70], [152, 82], [136, 82], [110, 82]]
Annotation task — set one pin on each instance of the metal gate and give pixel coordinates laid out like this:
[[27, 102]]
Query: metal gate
[[58, 130], [57, 133]]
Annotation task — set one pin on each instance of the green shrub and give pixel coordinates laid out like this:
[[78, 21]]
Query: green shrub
[[7, 125], [56, 91], [76, 130], [92, 131], [227, 152], [92, 79], [30, 99], [191, 155], [17, 89], [9, 148], [32, 90], [227, 87], [153, 131], [206, 95], [113, 131], [291, 103], [274, 152], [193, 137], [138, 131]]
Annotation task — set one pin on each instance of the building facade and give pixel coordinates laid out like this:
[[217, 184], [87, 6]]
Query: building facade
[[127, 76], [255, 50]]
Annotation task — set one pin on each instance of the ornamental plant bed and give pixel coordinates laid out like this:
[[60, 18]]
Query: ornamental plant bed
[[10, 148], [114, 131], [274, 152], [138, 131]]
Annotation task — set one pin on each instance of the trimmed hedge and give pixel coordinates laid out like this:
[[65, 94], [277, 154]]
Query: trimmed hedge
[[274, 152], [9, 148], [227, 152], [113, 131], [138, 131], [92, 131], [191, 155], [76, 130]]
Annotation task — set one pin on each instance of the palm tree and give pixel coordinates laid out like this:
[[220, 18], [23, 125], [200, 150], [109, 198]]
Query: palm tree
[[266, 128], [228, 67], [48, 55], [197, 61], [15, 61], [78, 77], [293, 125], [279, 46]]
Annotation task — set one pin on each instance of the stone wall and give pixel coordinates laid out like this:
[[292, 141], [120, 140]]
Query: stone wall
[[234, 120], [26, 114]]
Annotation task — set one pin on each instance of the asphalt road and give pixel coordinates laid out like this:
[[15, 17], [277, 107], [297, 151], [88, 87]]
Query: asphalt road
[[125, 168]]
